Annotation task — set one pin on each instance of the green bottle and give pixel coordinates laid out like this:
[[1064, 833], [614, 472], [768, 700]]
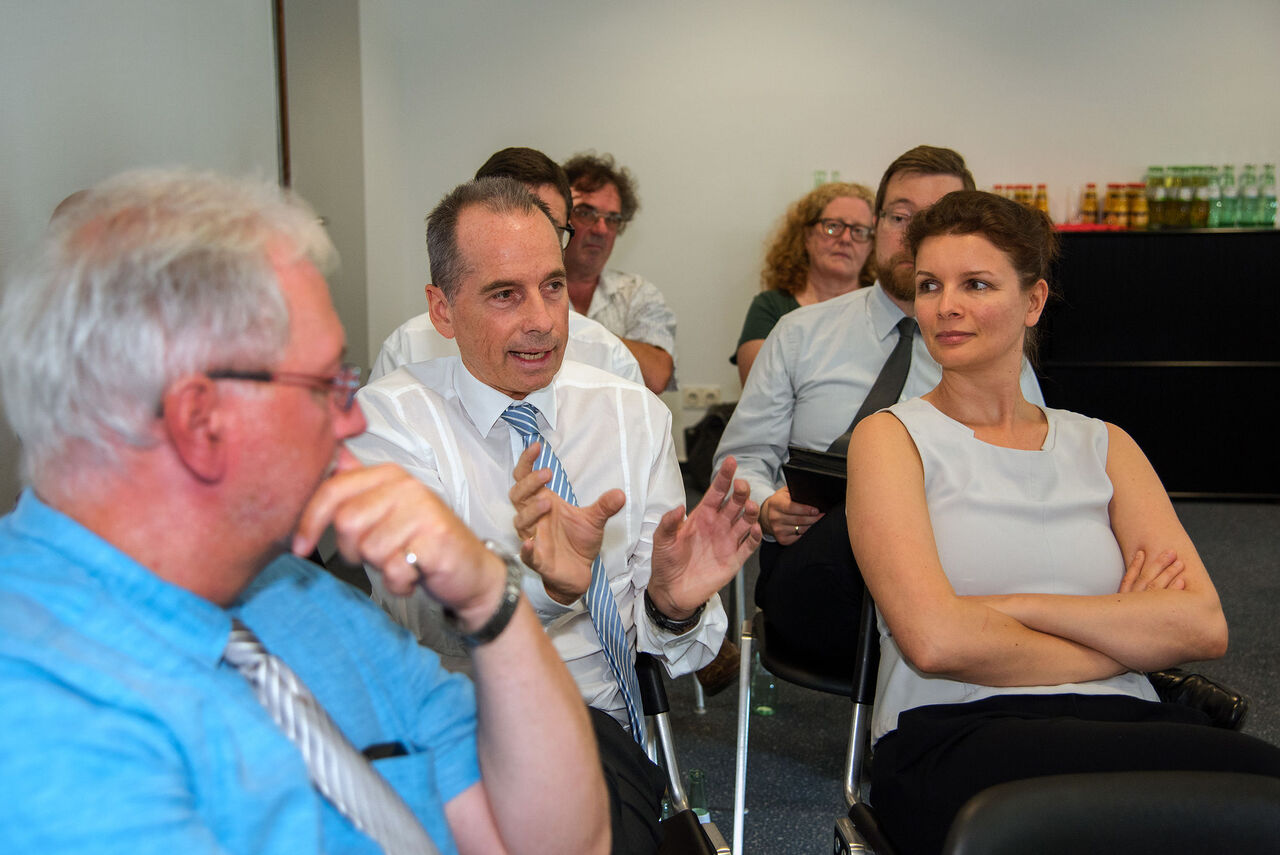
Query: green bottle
[[1268, 193], [1229, 198], [1250, 203]]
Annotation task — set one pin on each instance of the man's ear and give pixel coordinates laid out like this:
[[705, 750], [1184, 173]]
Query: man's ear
[[194, 421], [441, 311]]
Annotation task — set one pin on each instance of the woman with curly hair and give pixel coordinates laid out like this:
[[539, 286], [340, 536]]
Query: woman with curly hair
[[819, 251]]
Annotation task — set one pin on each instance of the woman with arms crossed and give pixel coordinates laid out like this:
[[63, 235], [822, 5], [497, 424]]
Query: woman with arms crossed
[[993, 535]]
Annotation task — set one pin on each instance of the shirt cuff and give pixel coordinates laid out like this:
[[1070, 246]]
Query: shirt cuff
[[544, 607]]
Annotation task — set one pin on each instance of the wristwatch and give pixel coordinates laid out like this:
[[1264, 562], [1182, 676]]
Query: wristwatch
[[494, 626], [676, 627]]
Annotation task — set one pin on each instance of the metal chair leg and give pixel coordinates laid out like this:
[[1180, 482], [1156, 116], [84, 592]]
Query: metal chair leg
[[744, 723]]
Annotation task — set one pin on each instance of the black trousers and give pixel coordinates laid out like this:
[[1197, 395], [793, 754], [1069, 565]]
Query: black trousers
[[635, 787], [811, 593], [940, 756]]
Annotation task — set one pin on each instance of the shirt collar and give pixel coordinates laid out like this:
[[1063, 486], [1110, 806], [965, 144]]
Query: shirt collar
[[484, 405], [885, 313], [185, 620]]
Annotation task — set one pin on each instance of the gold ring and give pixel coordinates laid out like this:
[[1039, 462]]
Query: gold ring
[[797, 530]]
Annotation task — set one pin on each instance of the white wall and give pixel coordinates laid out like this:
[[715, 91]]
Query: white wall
[[88, 89], [326, 143], [723, 110]]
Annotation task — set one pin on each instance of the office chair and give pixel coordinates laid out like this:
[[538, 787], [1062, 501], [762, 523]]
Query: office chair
[[1160, 813], [784, 664], [683, 833]]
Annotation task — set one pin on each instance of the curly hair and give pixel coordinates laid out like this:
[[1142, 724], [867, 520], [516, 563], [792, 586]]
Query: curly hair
[[786, 263], [589, 171]]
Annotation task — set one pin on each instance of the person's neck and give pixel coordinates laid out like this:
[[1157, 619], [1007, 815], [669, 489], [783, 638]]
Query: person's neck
[[582, 287], [818, 288], [169, 532], [989, 401]]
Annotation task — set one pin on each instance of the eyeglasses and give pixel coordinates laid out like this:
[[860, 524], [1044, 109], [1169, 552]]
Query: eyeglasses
[[588, 215], [342, 386], [897, 220], [835, 228], [565, 233]]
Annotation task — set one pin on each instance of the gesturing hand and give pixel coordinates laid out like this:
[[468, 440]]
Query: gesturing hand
[[381, 514], [694, 557], [558, 540]]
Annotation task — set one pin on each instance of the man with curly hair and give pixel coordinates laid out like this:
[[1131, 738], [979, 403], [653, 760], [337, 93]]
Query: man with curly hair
[[632, 308]]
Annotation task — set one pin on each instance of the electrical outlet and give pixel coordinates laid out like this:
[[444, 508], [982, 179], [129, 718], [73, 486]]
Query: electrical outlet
[[699, 397]]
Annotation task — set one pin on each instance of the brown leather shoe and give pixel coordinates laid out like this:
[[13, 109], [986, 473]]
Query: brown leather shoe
[[722, 672]]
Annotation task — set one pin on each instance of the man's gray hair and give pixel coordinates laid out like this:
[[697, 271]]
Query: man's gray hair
[[150, 276], [498, 194]]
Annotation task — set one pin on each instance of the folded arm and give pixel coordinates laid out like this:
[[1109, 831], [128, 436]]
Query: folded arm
[[939, 632], [1149, 626]]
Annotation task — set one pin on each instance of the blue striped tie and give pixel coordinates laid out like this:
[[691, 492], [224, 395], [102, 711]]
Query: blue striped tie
[[600, 603]]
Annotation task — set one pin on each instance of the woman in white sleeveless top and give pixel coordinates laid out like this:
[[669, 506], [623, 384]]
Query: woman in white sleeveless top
[[1027, 564]]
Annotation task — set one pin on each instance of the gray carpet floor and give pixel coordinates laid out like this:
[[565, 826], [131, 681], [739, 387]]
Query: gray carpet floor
[[794, 790]]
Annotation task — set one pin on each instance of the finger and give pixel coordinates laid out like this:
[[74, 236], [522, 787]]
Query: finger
[[1166, 576], [530, 513], [796, 509], [1131, 572], [359, 513], [528, 485], [400, 577], [722, 483], [669, 525], [1153, 568], [347, 481], [524, 463], [527, 554], [606, 506]]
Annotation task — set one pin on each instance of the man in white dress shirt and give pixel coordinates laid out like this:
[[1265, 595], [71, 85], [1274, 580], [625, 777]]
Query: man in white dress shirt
[[589, 341], [814, 371], [499, 289]]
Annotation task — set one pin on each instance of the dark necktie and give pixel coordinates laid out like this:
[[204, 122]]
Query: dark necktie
[[337, 769], [888, 385], [601, 605]]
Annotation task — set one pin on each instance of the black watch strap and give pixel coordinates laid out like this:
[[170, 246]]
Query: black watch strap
[[494, 626], [671, 625]]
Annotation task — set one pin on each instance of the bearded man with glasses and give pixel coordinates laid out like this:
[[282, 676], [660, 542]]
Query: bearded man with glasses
[[812, 378]]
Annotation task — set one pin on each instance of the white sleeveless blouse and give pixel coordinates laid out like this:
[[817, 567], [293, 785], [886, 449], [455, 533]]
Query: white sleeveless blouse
[[1007, 521]]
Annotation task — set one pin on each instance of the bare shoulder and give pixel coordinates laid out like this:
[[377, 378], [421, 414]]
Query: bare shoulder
[[879, 435], [1127, 466]]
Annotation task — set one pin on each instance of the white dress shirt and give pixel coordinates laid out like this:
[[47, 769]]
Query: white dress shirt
[[811, 376], [445, 427], [417, 340]]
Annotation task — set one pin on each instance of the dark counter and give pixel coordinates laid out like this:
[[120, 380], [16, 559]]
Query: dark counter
[[1175, 337]]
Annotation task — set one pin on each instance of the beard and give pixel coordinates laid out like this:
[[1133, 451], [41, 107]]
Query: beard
[[899, 282]]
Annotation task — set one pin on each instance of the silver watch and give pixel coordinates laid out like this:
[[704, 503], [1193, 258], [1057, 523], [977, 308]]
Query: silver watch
[[494, 626]]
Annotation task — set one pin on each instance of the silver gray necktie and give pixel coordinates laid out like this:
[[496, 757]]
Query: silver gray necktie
[[340, 772]]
